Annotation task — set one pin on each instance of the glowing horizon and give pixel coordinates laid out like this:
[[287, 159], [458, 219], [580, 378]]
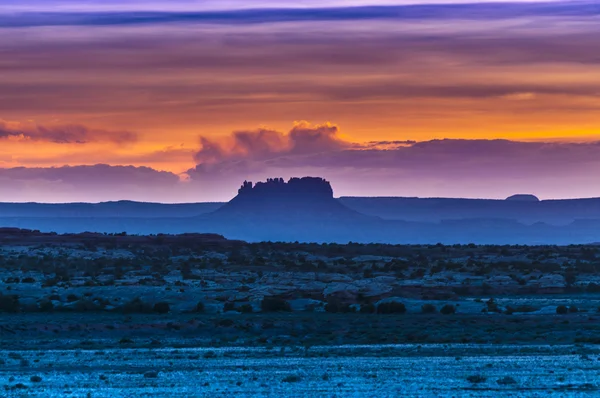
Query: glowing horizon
[[101, 83]]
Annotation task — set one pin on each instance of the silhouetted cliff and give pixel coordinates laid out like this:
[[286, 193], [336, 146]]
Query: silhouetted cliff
[[523, 198], [310, 187], [298, 198]]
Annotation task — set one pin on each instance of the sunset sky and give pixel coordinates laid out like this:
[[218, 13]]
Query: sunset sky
[[180, 101]]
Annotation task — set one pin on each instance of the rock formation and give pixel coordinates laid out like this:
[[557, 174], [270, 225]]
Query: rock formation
[[523, 198], [298, 198], [296, 187]]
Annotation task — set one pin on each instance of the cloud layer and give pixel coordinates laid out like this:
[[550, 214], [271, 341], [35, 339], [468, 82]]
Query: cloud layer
[[88, 184], [397, 79], [438, 168], [460, 71], [62, 134], [449, 167], [479, 11], [265, 144]]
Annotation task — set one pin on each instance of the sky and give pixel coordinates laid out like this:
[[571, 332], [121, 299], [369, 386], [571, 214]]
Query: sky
[[180, 101]]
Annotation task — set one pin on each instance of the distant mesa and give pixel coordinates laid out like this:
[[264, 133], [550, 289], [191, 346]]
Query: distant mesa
[[298, 198], [523, 198], [313, 187]]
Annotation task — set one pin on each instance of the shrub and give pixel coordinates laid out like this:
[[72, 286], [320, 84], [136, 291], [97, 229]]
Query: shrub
[[229, 306], [367, 309], [525, 308], [338, 307], [462, 290], [476, 379], [505, 381], [28, 280], [136, 306], [36, 379], [593, 288], [46, 306], [573, 309], [428, 309], [199, 307], [562, 309], [292, 379], [448, 309], [392, 307], [151, 374], [162, 308], [246, 309], [272, 304], [51, 282], [492, 306], [209, 355], [226, 323], [86, 306], [72, 297], [9, 303]]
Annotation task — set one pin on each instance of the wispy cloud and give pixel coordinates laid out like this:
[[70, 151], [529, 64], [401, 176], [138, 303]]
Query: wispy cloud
[[62, 134], [264, 143], [475, 11]]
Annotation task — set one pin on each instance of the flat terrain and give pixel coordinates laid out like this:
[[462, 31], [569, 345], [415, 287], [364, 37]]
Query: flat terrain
[[383, 371], [200, 315]]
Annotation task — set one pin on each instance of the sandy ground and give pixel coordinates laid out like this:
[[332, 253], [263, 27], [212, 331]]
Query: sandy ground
[[342, 371]]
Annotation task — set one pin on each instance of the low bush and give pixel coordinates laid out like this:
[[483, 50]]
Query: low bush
[[151, 374], [593, 288], [136, 306], [209, 355], [505, 381], [9, 303], [448, 309], [72, 297], [428, 309], [475, 379], [338, 307], [292, 379], [367, 309], [272, 304], [227, 323], [562, 310], [392, 307], [86, 306], [246, 309], [45, 306], [199, 307], [161, 308]]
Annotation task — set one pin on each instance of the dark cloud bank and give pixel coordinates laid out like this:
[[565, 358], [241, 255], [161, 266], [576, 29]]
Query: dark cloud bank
[[444, 168], [406, 12], [62, 134], [460, 168]]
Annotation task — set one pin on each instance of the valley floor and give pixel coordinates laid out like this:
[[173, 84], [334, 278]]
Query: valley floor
[[317, 354], [97, 315], [335, 371]]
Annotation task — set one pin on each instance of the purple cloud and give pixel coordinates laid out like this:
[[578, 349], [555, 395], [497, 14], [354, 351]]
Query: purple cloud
[[463, 168], [89, 183], [266, 144], [62, 134]]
